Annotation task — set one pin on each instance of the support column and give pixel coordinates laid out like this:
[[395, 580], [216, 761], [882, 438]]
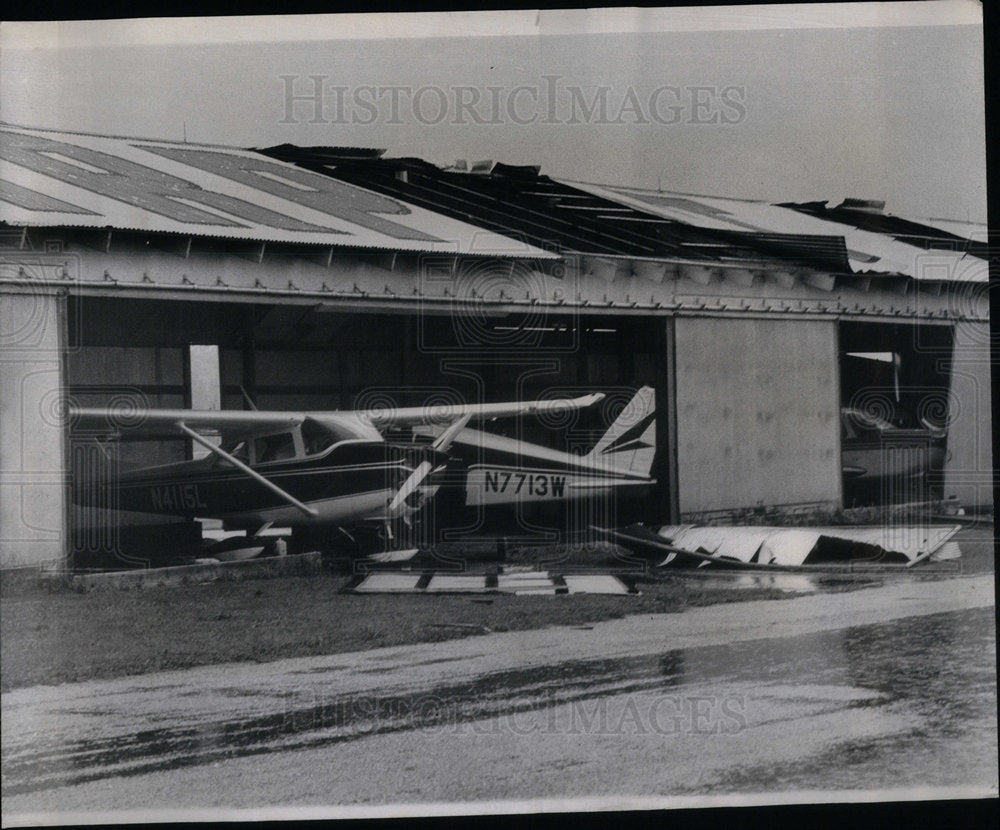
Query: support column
[[33, 469], [968, 472], [666, 499]]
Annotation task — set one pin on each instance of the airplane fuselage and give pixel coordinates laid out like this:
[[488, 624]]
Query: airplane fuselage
[[352, 481], [498, 470], [495, 485]]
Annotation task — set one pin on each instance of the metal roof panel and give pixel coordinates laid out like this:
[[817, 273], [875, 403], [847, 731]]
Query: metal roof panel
[[55, 179]]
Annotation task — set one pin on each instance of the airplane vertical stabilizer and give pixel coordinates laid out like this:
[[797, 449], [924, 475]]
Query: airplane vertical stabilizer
[[630, 444]]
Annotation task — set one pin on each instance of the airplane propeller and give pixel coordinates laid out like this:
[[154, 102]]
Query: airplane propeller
[[401, 504]]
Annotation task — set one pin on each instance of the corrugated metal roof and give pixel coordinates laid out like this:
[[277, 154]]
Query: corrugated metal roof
[[517, 201], [927, 235], [873, 242], [355, 198], [975, 232], [582, 218], [57, 179]]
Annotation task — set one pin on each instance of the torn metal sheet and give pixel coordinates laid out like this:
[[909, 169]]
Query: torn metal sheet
[[519, 202], [971, 231], [525, 583], [929, 235], [59, 179], [387, 583], [787, 547], [595, 584], [947, 552], [464, 583], [393, 555]]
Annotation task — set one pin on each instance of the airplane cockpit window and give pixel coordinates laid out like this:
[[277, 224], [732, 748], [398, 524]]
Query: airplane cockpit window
[[317, 439], [274, 447]]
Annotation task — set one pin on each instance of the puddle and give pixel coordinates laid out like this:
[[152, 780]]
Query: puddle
[[940, 669]]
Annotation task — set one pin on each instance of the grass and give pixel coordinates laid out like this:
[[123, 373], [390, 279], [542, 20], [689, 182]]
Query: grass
[[51, 637]]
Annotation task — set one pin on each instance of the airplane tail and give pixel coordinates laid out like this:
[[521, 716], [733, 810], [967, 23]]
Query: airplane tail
[[630, 443]]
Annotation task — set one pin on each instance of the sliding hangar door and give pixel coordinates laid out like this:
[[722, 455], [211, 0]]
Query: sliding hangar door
[[812, 415], [757, 414]]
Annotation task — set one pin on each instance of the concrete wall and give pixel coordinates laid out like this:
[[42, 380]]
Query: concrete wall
[[757, 413], [32, 489], [969, 468]]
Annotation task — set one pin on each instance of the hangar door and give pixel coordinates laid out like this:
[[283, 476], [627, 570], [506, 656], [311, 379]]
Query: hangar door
[[757, 414]]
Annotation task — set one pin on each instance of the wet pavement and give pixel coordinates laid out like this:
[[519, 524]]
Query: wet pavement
[[886, 687]]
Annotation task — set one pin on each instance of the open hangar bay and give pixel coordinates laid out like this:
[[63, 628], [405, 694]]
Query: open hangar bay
[[333, 278]]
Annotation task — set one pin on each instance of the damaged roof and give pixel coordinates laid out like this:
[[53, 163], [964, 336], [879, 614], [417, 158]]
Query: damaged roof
[[872, 242], [58, 179], [576, 217], [928, 234], [355, 198], [518, 201]]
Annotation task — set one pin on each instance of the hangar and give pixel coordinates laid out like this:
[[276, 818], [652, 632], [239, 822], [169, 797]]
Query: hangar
[[323, 278]]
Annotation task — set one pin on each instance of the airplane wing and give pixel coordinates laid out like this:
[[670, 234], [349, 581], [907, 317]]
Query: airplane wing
[[163, 421], [238, 422], [449, 413]]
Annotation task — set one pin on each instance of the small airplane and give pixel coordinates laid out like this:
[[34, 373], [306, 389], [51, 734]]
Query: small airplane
[[295, 469], [880, 459]]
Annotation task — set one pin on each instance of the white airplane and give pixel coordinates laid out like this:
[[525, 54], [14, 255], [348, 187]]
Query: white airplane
[[294, 468]]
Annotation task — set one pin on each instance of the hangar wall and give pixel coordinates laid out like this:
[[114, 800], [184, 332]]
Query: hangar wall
[[757, 413], [131, 377], [32, 481], [968, 470]]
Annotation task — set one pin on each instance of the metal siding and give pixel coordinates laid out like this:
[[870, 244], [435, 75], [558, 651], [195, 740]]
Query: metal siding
[[757, 413], [114, 369], [352, 283], [128, 378], [969, 465]]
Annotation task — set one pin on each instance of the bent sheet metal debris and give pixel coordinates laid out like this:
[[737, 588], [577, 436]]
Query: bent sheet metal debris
[[787, 547]]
